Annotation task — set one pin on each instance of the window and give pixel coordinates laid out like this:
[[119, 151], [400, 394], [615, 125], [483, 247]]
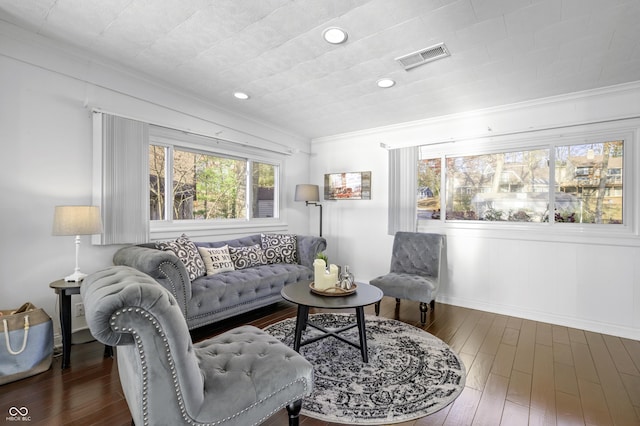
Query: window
[[560, 181], [511, 186], [152, 182], [588, 183], [429, 173], [157, 166], [263, 185], [209, 185]]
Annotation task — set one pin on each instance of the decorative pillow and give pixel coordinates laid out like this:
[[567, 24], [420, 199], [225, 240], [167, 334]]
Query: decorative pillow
[[248, 256], [216, 260], [188, 253], [280, 248]]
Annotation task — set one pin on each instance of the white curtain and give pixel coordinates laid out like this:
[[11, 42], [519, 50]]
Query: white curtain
[[403, 163], [121, 178]]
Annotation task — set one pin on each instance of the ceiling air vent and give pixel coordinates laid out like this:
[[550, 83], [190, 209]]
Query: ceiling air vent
[[423, 56]]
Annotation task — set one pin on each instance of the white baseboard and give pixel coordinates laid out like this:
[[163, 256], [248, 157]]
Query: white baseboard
[[582, 324], [78, 336]]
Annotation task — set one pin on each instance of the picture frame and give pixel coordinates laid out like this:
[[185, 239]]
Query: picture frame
[[347, 186]]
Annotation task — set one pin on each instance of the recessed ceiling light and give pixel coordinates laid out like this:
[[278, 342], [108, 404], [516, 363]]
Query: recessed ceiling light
[[335, 35], [385, 83], [241, 95]]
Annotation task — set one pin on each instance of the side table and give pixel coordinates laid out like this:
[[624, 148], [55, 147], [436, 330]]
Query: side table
[[64, 290]]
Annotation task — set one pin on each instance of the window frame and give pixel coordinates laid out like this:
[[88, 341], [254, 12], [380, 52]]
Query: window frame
[[626, 130], [173, 139]]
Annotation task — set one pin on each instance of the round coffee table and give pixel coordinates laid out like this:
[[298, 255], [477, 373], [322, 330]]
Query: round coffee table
[[300, 294]]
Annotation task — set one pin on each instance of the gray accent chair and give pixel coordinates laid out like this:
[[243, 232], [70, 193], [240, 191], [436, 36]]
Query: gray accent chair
[[416, 262], [240, 377]]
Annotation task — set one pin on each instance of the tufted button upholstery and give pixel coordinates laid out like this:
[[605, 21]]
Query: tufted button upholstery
[[211, 298], [416, 262], [216, 293], [240, 377]]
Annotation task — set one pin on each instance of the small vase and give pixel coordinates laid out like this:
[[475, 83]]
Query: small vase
[[346, 278]]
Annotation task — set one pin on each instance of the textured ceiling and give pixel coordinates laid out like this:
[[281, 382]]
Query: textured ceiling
[[502, 52]]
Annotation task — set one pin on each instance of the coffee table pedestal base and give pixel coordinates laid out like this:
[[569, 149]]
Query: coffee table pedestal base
[[302, 321]]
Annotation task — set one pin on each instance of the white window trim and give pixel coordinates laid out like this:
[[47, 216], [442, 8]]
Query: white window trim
[[625, 234], [162, 229]]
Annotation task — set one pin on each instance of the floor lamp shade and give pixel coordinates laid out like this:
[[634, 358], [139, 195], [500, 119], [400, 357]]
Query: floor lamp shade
[[307, 192], [310, 194], [77, 220]]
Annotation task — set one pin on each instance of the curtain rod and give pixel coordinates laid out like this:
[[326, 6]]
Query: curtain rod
[[288, 151]]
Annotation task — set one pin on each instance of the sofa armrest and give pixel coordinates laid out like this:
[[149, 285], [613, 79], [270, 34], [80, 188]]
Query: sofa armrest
[[308, 247], [165, 267]]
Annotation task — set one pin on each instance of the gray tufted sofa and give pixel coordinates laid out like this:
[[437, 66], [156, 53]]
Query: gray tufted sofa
[[215, 297], [240, 377]]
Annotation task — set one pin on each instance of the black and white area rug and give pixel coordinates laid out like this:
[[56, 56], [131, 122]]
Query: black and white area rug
[[410, 373]]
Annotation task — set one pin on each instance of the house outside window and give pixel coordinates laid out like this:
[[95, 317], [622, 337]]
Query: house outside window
[[505, 186], [588, 195], [560, 183]]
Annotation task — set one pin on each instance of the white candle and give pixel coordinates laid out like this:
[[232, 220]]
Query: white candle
[[333, 276], [319, 274]]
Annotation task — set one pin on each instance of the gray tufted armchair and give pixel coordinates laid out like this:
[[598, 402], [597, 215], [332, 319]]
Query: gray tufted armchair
[[416, 260], [240, 377]]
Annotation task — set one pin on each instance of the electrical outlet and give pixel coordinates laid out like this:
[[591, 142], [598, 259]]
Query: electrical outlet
[[79, 309]]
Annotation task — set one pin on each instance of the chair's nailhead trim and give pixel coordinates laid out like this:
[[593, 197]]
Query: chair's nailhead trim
[[140, 346], [173, 285]]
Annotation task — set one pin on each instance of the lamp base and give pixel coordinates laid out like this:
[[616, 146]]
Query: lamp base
[[77, 276]]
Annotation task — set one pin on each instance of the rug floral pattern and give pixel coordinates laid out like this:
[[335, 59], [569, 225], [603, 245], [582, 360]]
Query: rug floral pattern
[[410, 373]]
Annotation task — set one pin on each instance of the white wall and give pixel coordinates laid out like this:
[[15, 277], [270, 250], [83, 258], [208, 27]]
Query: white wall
[[585, 282], [45, 132], [46, 136]]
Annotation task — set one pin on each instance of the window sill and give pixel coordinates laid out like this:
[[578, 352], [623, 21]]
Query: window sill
[[161, 230], [614, 235]]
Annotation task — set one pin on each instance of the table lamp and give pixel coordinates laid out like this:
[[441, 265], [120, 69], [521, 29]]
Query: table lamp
[[76, 220], [310, 194]]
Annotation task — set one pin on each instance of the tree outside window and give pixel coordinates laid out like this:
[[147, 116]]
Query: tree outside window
[[507, 186], [157, 162], [515, 186], [206, 186], [220, 186], [429, 174]]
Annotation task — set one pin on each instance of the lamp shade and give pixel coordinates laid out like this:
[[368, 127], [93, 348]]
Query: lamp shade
[[307, 192], [77, 220]]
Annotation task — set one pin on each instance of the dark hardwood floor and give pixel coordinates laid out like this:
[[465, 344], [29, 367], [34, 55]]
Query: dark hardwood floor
[[519, 372]]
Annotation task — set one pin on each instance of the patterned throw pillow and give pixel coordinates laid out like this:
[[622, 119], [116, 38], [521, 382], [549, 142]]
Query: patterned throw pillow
[[280, 248], [216, 260], [188, 253], [246, 257]]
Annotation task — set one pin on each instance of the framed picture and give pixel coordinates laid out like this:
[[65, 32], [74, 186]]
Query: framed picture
[[347, 186]]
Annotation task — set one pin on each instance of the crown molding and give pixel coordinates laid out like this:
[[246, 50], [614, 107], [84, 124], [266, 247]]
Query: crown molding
[[91, 68], [484, 113]]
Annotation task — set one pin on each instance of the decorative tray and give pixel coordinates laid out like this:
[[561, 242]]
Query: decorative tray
[[333, 291]]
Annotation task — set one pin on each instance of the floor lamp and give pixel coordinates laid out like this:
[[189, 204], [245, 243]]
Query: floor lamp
[[310, 194], [76, 220]]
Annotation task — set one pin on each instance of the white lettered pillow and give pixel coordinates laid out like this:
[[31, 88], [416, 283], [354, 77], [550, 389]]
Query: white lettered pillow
[[216, 260]]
